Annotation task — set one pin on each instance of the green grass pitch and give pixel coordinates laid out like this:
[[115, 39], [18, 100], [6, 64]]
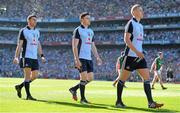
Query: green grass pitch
[[53, 97]]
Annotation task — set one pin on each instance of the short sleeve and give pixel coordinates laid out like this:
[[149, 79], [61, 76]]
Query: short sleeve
[[129, 27], [76, 34]]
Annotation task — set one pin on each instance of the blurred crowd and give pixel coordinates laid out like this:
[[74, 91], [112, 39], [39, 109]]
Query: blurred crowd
[[60, 63], [114, 37], [72, 8]]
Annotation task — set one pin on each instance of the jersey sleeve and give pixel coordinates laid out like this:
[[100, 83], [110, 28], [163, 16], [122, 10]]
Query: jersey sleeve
[[20, 36], [129, 27], [93, 37], [76, 34]]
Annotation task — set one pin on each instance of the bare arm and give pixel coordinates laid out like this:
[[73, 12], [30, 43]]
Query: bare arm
[[75, 43], [40, 50], [94, 50], [128, 42], [41, 53], [18, 49]]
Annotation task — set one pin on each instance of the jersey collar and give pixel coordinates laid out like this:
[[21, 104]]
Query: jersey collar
[[135, 19], [83, 26], [29, 28]]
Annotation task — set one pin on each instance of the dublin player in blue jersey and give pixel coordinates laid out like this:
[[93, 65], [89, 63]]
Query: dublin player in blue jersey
[[28, 47], [83, 45], [134, 58]]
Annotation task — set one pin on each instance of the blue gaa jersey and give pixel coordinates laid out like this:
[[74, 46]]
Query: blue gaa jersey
[[136, 30], [30, 39], [86, 37]]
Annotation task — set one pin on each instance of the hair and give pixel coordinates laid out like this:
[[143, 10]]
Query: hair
[[134, 7], [30, 16], [122, 53], [82, 15], [160, 53]]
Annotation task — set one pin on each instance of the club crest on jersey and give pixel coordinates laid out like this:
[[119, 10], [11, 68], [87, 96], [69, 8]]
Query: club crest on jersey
[[140, 38], [34, 42], [88, 40]]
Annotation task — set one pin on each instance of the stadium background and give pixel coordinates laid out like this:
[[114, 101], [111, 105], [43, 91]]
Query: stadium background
[[58, 18]]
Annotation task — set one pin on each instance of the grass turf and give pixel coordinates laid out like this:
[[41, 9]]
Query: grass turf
[[53, 97]]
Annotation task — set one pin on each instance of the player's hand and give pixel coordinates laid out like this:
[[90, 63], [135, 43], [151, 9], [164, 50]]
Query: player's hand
[[16, 60], [140, 55], [99, 61], [78, 64], [43, 60]]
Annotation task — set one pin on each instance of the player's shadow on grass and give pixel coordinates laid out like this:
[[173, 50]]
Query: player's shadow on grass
[[152, 110], [141, 109], [94, 106], [105, 106]]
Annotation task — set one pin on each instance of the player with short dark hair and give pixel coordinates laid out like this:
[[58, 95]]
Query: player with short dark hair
[[82, 46], [28, 47]]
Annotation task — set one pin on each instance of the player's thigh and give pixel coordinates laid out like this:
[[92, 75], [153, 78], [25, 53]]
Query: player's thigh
[[35, 68], [90, 76], [124, 74], [83, 69], [144, 73], [27, 73]]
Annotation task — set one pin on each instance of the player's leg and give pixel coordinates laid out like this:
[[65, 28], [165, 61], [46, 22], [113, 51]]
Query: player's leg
[[160, 81], [115, 82], [27, 74], [124, 75], [144, 73], [89, 77], [34, 75], [154, 80], [120, 85], [23, 63], [82, 83]]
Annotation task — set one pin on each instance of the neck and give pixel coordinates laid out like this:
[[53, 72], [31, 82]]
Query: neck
[[86, 26], [137, 18], [30, 26]]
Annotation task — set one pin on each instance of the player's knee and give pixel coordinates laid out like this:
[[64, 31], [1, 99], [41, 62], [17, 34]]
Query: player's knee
[[147, 81], [83, 82]]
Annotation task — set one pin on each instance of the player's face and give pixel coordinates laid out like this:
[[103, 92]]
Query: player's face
[[86, 20], [161, 56], [33, 21], [140, 12]]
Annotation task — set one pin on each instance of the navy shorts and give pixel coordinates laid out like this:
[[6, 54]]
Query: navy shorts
[[133, 63], [29, 63], [87, 65]]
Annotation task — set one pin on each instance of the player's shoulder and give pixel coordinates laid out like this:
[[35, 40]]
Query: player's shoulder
[[157, 58], [22, 29], [77, 29], [130, 22]]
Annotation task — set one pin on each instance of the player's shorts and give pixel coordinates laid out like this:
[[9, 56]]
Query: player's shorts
[[87, 65], [158, 73], [133, 63], [29, 63]]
